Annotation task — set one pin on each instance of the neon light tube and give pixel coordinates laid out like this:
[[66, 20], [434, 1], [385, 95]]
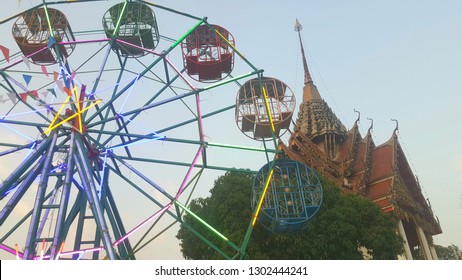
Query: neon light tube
[[135, 143], [257, 212], [116, 29], [270, 114], [84, 41], [199, 118], [71, 117], [109, 87], [43, 250], [60, 251], [202, 221], [128, 121], [193, 165], [17, 252], [12, 251], [57, 115], [138, 47], [23, 113], [81, 252], [79, 116], [181, 75], [129, 93], [158, 213], [17, 132], [102, 177], [120, 240]]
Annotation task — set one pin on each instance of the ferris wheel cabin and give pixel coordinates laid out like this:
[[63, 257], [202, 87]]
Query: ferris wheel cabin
[[293, 196], [134, 27], [207, 53], [251, 113], [36, 31]]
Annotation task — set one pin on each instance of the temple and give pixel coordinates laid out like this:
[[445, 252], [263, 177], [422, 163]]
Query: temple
[[357, 164]]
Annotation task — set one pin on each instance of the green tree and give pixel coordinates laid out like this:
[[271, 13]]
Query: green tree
[[451, 252], [344, 224]]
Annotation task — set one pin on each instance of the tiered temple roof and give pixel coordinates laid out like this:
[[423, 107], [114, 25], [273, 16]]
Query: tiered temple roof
[[380, 173]]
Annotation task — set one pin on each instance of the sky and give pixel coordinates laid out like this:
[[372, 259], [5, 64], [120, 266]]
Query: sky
[[387, 59]]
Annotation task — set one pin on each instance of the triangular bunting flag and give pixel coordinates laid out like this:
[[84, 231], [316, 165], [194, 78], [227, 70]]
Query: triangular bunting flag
[[33, 93], [27, 78], [44, 70], [12, 96], [6, 52], [66, 90], [26, 61], [23, 96], [67, 82], [72, 76], [44, 93], [66, 78], [60, 85], [51, 41], [55, 75], [52, 90]]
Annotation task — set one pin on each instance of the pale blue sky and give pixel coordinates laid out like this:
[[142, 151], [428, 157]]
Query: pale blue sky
[[387, 59]]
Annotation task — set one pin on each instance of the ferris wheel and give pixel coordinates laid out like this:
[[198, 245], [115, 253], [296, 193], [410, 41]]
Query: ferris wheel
[[108, 132]]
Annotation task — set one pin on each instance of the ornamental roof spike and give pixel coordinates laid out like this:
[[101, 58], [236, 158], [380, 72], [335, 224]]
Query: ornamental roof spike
[[297, 28], [396, 129], [359, 117], [372, 125]]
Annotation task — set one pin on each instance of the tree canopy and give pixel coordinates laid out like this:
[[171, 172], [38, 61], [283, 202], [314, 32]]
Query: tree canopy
[[347, 226], [451, 252]]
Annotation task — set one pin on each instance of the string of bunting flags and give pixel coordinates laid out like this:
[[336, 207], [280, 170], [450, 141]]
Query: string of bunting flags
[[62, 85]]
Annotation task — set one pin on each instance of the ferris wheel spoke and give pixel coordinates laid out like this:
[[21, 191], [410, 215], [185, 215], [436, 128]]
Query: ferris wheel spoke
[[122, 126], [16, 148], [141, 175], [98, 79], [136, 137], [121, 175], [184, 164], [169, 81], [110, 109], [118, 94], [178, 125], [3, 122], [139, 246], [181, 124], [135, 113]]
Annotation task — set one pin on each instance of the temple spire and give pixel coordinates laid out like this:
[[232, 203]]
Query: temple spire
[[297, 28], [310, 92]]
